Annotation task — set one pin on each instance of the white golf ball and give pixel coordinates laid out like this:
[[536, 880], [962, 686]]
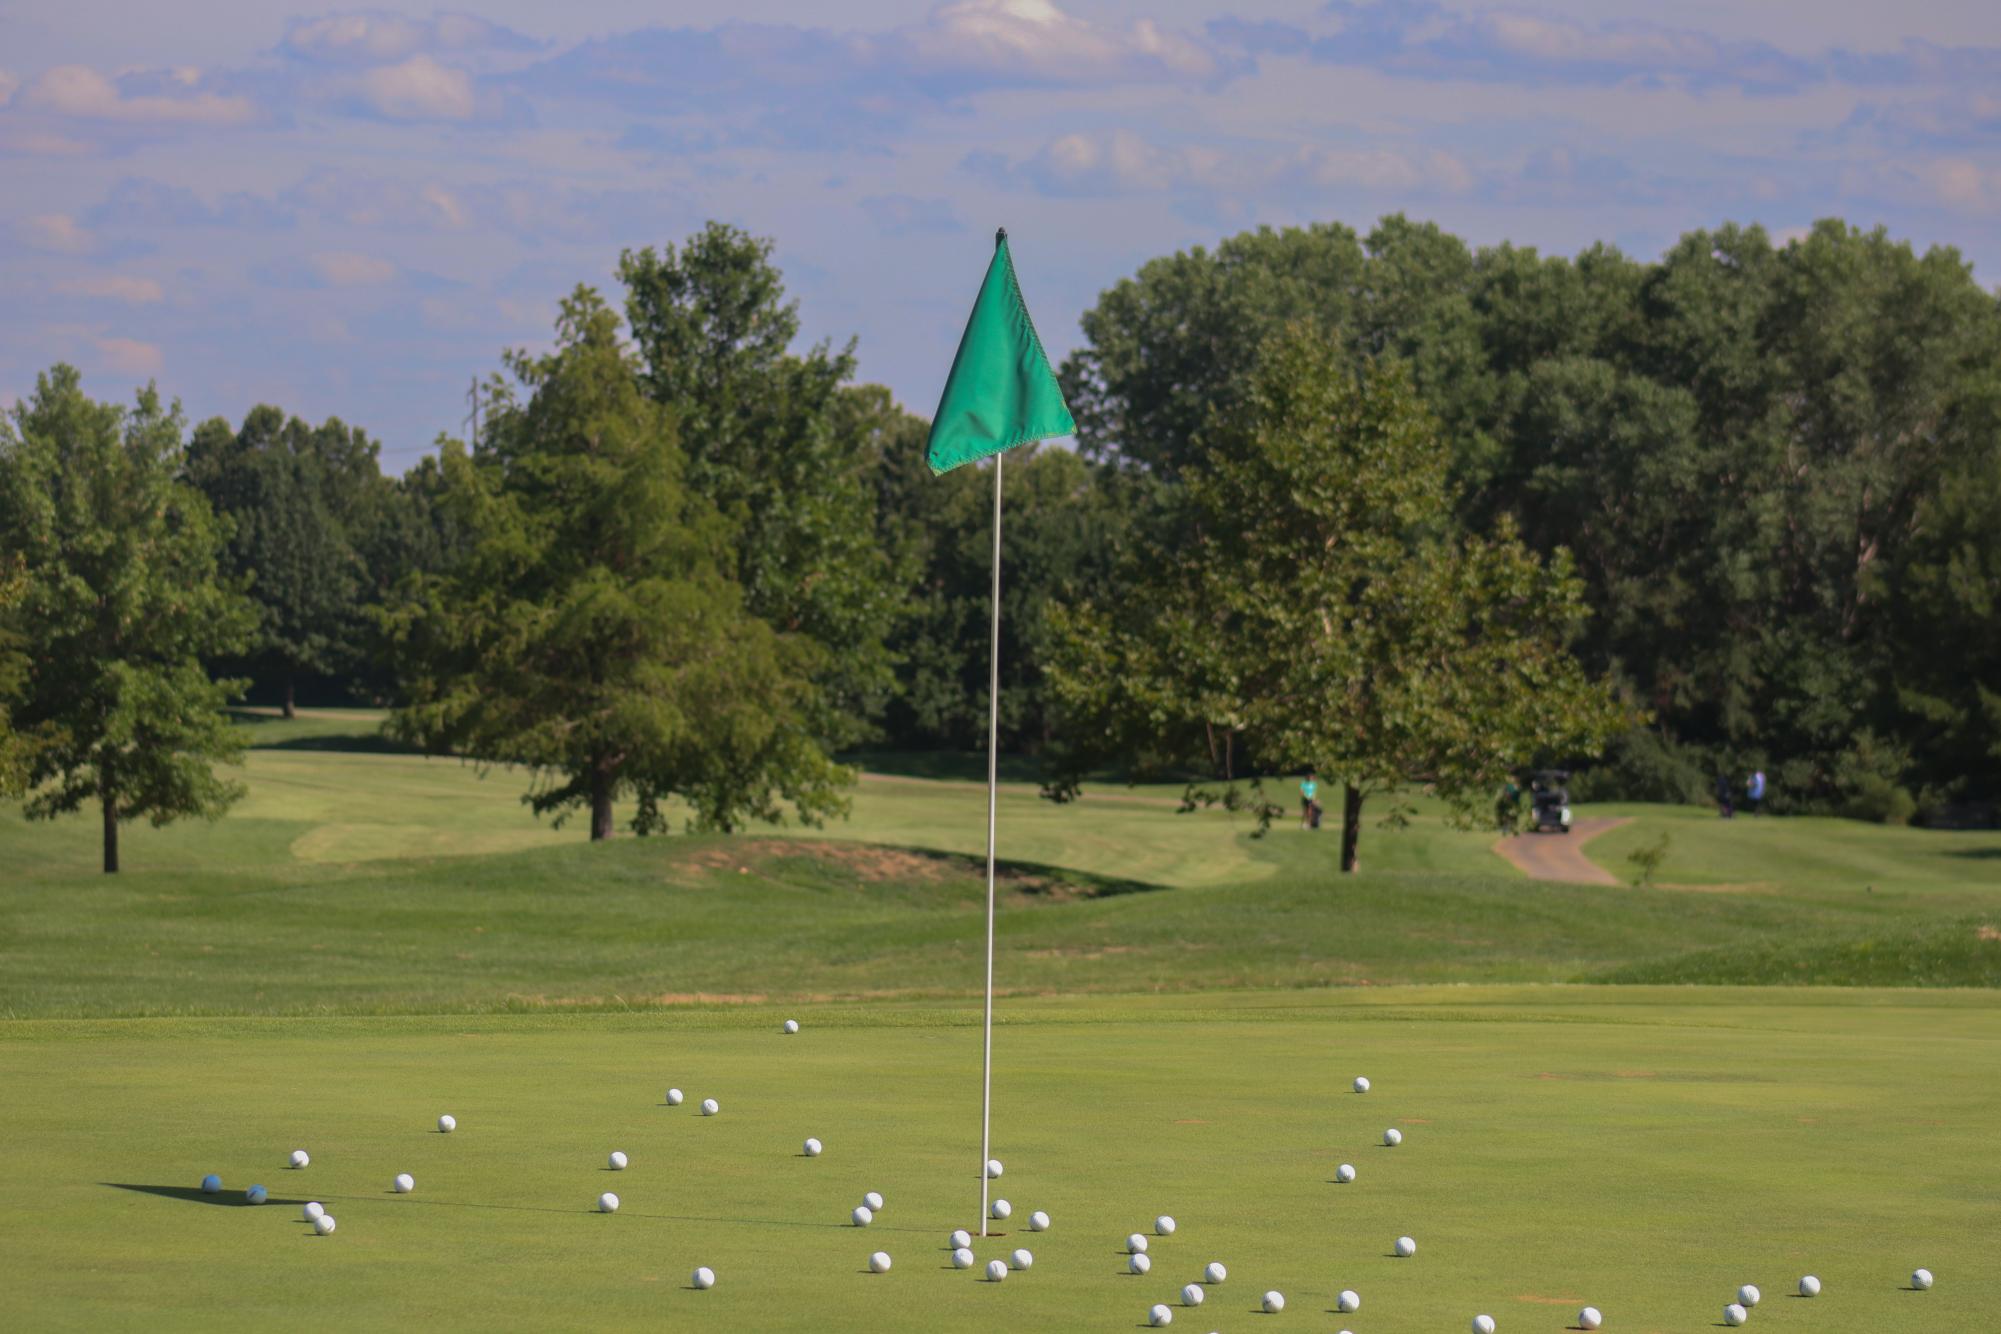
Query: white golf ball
[[1274, 1302], [1215, 1273], [256, 1195], [618, 1161], [710, 1107], [879, 1262], [863, 1215], [812, 1148], [994, 1169], [1038, 1221], [1022, 1258], [1921, 1279], [963, 1257], [1164, 1225], [1344, 1173], [1809, 1286], [1747, 1296], [1136, 1243], [872, 1200], [1001, 1209], [703, 1277], [1393, 1137], [211, 1184], [312, 1210], [1589, 1318], [1138, 1264], [1160, 1315], [607, 1203], [1483, 1324], [1361, 1083], [300, 1158], [673, 1097], [1348, 1302], [447, 1124], [1192, 1294], [405, 1183], [324, 1224], [960, 1239], [1734, 1314], [1406, 1247], [792, 1025], [996, 1270]]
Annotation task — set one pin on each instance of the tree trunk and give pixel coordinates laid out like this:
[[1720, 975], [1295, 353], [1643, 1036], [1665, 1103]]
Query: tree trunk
[[291, 709], [1351, 827], [110, 800], [600, 804]]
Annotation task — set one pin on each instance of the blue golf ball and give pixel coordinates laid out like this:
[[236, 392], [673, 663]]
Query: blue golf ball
[[211, 1184]]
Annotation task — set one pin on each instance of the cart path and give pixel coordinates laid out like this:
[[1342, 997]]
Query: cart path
[[1561, 856]]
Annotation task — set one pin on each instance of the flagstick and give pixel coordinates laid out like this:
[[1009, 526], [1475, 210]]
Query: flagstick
[[993, 794]]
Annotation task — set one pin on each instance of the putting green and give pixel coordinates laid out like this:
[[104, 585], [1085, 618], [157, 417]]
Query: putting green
[[1643, 1149]]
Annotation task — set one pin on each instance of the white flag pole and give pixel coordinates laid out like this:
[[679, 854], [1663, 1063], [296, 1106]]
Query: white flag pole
[[993, 796]]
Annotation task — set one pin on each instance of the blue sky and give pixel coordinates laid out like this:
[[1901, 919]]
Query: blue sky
[[354, 211]]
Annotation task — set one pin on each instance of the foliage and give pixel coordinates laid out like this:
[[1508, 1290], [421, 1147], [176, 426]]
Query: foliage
[[591, 630], [123, 600], [1647, 858], [13, 677]]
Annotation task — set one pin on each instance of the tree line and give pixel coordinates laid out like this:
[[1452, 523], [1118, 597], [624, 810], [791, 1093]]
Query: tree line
[[1386, 505]]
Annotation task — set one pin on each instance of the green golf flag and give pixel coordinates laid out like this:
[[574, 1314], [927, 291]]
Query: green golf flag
[[1001, 392]]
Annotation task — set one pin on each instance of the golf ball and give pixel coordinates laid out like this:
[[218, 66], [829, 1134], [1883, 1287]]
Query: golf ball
[[1483, 1324], [1001, 1209], [673, 1097], [879, 1262], [300, 1158], [1164, 1225], [1138, 1264], [959, 1239], [1192, 1294], [792, 1025], [710, 1107], [618, 1161], [405, 1183], [1361, 1083], [1393, 1137], [1406, 1247], [1734, 1314], [812, 1148], [447, 1124], [211, 1184], [1215, 1273], [1747, 1296], [1038, 1221], [256, 1195], [994, 1169], [312, 1210], [996, 1270], [607, 1203], [1344, 1173], [1160, 1315], [1274, 1302], [872, 1200], [863, 1215], [1589, 1318], [1022, 1258], [324, 1224], [1921, 1279], [1136, 1243], [1809, 1286], [1348, 1302], [703, 1277], [963, 1257]]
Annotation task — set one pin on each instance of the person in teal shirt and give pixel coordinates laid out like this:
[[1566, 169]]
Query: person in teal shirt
[[1309, 788]]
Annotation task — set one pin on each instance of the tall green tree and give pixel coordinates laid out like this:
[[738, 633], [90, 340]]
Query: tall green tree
[[1322, 608], [123, 602], [593, 631], [13, 677]]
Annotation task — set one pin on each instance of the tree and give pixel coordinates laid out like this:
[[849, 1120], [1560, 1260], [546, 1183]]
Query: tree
[[13, 677], [123, 601], [1322, 609], [592, 631]]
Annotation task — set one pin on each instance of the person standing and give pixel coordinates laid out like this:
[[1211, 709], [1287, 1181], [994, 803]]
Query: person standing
[[1726, 796], [1754, 791], [1309, 790]]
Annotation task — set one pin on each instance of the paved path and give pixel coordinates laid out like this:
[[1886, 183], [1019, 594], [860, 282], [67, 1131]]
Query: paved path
[[1561, 856]]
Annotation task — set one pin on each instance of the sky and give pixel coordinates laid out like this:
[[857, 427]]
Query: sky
[[353, 212]]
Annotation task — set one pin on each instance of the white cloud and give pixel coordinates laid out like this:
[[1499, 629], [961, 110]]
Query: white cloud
[[40, 143], [345, 268], [58, 232], [1122, 162], [1034, 37], [419, 89], [372, 39], [129, 356], [1382, 169], [114, 287], [1964, 184], [78, 90], [8, 83]]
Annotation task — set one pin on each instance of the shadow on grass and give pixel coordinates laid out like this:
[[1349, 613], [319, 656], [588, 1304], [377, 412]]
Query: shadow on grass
[[819, 865], [196, 1195], [1977, 854]]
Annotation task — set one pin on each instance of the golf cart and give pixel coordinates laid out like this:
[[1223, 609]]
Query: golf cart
[[1549, 801]]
